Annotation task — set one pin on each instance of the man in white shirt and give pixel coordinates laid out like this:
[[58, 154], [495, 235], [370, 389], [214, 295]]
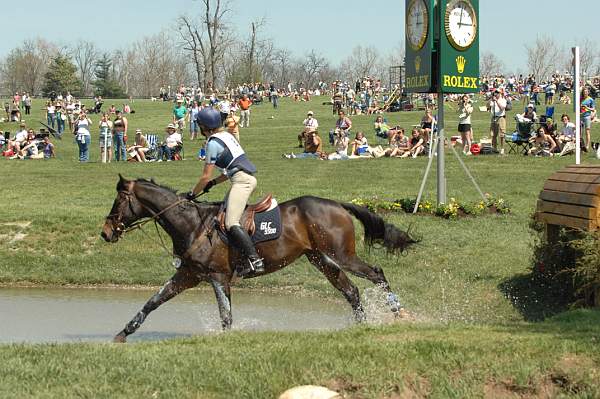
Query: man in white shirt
[[310, 125], [497, 107], [20, 139], [172, 140]]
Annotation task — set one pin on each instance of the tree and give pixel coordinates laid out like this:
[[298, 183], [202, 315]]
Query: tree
[[361, 62], [490, 65], [24, 67], [105, 83], [543, 57], [61, 77], [207, 39], [313, 64], [85, 54]]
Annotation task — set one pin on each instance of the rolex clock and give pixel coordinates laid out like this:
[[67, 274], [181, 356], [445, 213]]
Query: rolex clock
[[460, 24], [417, 24]]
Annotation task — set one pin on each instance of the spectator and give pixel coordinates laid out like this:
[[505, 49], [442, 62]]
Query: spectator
[[312, 149], [232, 124], [274, 94], [566, 138], [359, 141], [20, 139], [529, 115], [172, 141], [48, 150], [27, 103], [381, 128], [120, 125], [497, 107], [543, 144], [60, 118], [244, 105], [416, 145], [179, 114], [70, 108], [30, 149], [550, 90], [83, 136], [427, 124], [50, 114], [343, 125], [588, 113], [106, 138], [193, 113], [465, 110], [310, 125], [341, 146], [140, 147], [224, 108], [399, 145]]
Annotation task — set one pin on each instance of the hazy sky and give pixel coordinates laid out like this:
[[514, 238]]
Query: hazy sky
[[333, 27]]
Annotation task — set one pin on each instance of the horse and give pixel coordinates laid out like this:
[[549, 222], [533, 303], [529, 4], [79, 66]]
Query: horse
[[318, 228]]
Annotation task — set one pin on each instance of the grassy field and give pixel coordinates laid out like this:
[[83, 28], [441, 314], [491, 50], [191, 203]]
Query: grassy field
[[466, 282]]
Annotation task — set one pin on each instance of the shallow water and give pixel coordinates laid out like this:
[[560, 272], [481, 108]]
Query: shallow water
[[74, 315]]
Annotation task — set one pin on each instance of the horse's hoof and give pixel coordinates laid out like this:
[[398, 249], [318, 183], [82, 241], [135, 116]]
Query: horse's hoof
[[120, 338]]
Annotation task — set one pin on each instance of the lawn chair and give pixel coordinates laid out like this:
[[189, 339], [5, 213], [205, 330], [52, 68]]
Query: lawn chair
[[153, 144], [519, 140]]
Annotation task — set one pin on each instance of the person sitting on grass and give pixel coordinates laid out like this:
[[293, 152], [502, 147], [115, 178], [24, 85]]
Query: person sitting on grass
[[381, 127], [399, 145], [543, 144], [310, 124], [29, 149], [359, 141], [172, 141], [140, 147], [313, 148], [416, 143], [48, 151], [19, 141], [341, 146]]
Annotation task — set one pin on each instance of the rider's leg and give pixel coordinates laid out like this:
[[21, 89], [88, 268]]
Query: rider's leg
[[242, 187]]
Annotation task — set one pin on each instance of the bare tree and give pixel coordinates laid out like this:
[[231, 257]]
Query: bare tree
[[310, 68], [543, 57], [490, 64], [282, 66], [85, 54]]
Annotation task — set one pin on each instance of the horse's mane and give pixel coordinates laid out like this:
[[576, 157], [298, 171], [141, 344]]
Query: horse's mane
[[154, 183]]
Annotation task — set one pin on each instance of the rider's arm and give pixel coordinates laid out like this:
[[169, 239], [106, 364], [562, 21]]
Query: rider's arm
[[207, 174]]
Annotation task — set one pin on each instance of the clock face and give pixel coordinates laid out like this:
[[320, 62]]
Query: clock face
[[417, 24], [461, 24]]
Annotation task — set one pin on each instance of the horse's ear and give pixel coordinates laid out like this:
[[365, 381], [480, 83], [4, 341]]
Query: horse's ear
[[122, 182]]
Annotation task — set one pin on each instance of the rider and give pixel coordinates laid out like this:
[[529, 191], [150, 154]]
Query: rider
[[225, 152]]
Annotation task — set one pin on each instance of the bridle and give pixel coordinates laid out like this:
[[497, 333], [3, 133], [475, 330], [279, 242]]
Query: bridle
[[121, 229]]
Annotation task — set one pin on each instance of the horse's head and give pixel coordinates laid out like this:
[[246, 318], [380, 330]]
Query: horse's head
[[126, 209]]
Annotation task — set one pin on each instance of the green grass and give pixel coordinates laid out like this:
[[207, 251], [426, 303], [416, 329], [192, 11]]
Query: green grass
[[465, 281]]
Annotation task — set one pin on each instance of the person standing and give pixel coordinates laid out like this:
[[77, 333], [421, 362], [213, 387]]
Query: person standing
[[120, 132], [106, 139], [588, 111], [50, 113], [226, 154], [193, 113], [274, 95], [232, 124], [464, 123], [83, 136], [244, 105], [497, 107], [27, 103], [60, 118], [179, 113]]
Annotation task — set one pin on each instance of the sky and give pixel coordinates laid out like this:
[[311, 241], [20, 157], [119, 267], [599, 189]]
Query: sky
[[332, 27]]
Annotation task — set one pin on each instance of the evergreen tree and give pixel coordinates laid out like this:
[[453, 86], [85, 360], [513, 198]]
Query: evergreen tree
[[61, 77], [105, 84]]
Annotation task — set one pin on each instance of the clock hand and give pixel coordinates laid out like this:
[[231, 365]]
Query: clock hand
[[461, 15]]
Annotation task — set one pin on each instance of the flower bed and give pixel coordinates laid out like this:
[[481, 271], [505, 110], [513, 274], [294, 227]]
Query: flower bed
[[452, 210]]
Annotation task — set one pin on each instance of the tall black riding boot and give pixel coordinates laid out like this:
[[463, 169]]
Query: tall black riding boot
[[244, 243]]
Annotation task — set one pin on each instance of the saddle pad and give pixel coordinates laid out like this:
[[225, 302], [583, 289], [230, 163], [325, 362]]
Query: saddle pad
[[268, 227]]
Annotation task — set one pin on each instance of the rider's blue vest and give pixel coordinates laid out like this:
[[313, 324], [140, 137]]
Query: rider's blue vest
[[233, 158]]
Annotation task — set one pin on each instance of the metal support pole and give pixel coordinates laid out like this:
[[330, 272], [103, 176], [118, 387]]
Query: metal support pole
[[441, 178], [577, 103]]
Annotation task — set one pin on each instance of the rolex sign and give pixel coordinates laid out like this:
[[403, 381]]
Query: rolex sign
[[459, 46], [419, 30]]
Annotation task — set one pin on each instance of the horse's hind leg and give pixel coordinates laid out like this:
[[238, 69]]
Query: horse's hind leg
[[339, 280], [221, 285], [374, 274], [180, 281]]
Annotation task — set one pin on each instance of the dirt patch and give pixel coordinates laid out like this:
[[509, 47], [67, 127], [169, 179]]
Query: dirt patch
[[414, 387], [347, 388]]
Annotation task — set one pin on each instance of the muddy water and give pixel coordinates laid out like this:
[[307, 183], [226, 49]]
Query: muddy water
[[72, 315]]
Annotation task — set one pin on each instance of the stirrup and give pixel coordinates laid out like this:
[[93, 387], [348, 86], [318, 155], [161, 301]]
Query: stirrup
[[252, 267]]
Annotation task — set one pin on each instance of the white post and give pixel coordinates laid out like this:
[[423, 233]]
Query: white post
[[441, 178], [577, 103]]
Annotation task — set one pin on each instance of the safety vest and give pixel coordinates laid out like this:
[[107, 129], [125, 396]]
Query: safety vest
[[233, 158]]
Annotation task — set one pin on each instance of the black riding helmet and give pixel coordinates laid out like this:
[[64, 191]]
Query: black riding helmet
[[209, 119]]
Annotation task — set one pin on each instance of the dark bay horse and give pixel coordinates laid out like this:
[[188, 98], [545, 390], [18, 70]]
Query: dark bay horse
[[318, 228]]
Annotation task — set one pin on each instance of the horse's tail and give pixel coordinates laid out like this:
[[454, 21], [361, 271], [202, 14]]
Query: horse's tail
[[378, 230]]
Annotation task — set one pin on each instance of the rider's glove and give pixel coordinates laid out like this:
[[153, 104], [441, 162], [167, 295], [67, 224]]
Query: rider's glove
[[190, 196], [210, 185]]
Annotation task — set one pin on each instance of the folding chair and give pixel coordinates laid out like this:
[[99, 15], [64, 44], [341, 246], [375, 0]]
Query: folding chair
[[519, 140], [153, 143]]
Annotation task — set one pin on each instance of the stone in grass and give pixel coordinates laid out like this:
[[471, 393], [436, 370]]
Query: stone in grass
[[310, 392]]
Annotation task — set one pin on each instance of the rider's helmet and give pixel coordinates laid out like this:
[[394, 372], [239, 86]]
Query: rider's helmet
[[209, 119]]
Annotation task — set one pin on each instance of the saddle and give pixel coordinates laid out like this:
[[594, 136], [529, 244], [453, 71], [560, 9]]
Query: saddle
[[247, 221]]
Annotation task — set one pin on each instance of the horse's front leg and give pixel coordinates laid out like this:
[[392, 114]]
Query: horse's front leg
[[181, 280], [221, 284]]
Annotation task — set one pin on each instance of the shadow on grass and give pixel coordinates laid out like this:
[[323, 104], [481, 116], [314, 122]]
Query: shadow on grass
[[538, 298]]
